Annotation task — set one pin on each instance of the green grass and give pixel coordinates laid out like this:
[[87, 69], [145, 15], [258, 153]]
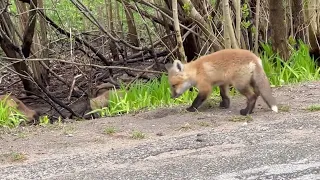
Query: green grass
[[156, 93], [138, 135], [313, 108], [146, 95], [299, 67], [10, 117], [109, 130]]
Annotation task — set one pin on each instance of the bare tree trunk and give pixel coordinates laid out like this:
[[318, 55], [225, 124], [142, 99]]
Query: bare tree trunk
[[177, 31], [278, 26], [298, 19], [43, 73], [228, 24], [132, 31], [312, 18], [226, 36], [256, 37], [39, 73]]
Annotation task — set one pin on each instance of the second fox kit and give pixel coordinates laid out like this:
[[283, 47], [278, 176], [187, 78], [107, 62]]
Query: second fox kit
[[237, 67]]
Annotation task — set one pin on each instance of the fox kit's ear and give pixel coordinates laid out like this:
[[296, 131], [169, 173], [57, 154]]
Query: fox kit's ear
[[168, 66], [178, 65]]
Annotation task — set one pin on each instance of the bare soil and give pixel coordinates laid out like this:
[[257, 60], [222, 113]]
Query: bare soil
[[26, 145]]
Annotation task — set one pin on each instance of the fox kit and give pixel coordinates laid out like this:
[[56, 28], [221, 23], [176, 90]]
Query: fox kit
[[237, 67], [12, 101]]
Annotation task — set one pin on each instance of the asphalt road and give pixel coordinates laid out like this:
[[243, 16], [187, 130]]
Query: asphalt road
[[287, 149]]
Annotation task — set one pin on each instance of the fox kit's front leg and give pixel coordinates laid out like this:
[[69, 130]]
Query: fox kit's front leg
[[204, 92]]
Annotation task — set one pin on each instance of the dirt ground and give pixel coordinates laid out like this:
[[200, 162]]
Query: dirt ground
[[27, 145]]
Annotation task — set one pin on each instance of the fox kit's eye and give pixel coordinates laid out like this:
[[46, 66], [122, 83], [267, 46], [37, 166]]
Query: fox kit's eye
[[174, 86]]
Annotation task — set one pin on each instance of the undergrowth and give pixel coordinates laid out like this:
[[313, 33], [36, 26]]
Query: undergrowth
[[156, 93]]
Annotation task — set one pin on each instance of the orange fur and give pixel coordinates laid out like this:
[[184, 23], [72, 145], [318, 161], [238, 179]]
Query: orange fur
[[12, 101], [237, 67], [102, 100]]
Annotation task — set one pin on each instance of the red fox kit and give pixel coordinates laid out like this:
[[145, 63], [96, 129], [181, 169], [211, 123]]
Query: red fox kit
[[237, 67], [12, 101]]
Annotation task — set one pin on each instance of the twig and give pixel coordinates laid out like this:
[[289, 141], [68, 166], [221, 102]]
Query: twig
[[72, 85]]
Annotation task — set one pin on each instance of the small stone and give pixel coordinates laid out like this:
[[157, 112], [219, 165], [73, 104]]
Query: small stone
[[159, 134], [199, 140]]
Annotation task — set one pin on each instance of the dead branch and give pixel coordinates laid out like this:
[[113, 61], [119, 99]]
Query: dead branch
[[72, 86]]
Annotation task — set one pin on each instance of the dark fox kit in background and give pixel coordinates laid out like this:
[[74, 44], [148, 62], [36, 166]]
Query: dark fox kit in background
[[237, 67]]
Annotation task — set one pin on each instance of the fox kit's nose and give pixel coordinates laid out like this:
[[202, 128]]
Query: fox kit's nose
[[174, 95]]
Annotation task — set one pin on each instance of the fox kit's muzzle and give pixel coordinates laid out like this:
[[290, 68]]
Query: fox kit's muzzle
[[174, 95]]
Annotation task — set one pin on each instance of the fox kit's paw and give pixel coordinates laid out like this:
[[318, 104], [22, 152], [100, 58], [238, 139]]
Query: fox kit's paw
[[245, 112], [191, 109], [225, 104]]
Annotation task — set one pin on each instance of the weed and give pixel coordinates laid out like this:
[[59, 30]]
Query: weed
[[17, 156], [68, 130], [204, 124], [109, 130], [44, 120], [239, 118], [284, 108], [313, 108], [137, 135], [185, 127]]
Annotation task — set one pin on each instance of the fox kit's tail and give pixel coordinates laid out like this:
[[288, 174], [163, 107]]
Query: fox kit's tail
[[262, 83]]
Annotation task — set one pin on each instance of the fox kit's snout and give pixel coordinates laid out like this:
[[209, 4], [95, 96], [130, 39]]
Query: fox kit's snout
[[178, 79], [240, 68]]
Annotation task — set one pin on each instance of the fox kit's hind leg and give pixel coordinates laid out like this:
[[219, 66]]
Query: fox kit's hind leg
[[251, 100], [204, 92], [224, 93]]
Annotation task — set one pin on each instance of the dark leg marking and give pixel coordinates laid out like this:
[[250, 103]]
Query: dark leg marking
[[197, 102], [224, 91], [251, 101]]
